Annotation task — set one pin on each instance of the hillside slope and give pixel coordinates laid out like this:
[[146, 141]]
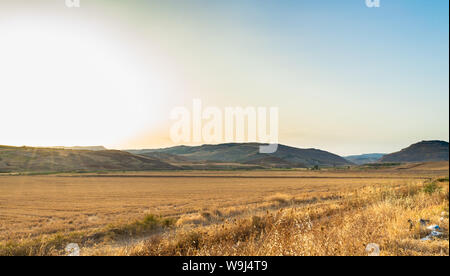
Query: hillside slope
[[94, 148], [365, 158], [248, 153], [425, 151], [27, 159]]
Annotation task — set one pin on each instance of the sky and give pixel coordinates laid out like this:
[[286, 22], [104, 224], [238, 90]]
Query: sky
[[346, 78]]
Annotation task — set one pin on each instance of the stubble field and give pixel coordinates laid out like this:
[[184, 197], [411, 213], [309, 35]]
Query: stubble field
[[121, 213]]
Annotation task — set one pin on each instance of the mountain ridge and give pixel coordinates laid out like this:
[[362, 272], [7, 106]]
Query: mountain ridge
[[204, 157], [29, 159], [248, 153], [93, 148], [366, 158], [424, 151]]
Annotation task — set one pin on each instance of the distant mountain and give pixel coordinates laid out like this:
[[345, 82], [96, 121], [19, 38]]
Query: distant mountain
[[94, 148], [425, 151], [170, 158], [205, 157], [365, 158], [27, 159], [248, 153]]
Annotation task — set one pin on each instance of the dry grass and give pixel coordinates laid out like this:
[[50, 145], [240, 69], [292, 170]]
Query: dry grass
[[343, 227], [280, 198], [54, 244], [193, 219], [31, 206], [224, 213]]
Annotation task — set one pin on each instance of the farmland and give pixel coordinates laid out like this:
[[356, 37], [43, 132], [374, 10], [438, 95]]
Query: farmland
[[121, 213]]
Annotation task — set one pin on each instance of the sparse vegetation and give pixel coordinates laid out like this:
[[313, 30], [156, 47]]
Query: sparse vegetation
[[304, 213], [335, 228], [381, 165], [280, 198], [54, 244], [432, 187]]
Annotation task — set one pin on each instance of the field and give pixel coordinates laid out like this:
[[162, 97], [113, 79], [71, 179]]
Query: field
[[291, 212]]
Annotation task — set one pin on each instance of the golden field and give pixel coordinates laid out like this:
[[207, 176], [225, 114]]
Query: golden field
[[328, 212]]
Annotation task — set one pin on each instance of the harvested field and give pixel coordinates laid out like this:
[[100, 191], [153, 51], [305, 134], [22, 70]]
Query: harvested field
[[33, 207]]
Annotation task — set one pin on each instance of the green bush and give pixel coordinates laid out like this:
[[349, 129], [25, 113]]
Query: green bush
[[432, 187]]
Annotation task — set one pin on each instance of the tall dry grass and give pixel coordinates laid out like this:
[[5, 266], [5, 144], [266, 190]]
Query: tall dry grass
[[322, 223], [386, 216]]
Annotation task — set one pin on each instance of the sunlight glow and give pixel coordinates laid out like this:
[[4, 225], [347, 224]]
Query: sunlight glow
[[63, 85]]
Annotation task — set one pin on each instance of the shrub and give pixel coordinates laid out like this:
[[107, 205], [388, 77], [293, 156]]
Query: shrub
[[432, 187]]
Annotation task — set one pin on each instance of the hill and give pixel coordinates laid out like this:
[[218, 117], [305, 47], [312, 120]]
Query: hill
[[442, 166], [28, 159], [365, 158], [248, 153], [425, 151], [94, 148]]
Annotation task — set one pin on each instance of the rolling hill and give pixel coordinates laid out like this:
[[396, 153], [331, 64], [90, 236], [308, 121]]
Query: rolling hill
[[205, 157], [248, 153], [28, 159], [425, 151], [365, 158], [94, 148]]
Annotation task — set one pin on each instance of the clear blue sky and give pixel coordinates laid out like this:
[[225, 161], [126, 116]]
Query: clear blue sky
[[346, 78]]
